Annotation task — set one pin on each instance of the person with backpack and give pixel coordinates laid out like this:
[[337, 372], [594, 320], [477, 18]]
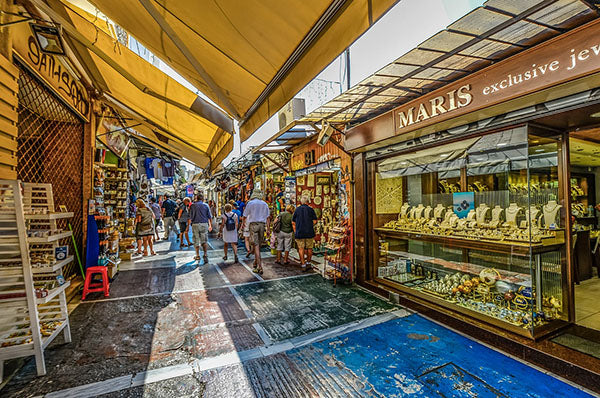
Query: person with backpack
[[229, 231], [284, 231]]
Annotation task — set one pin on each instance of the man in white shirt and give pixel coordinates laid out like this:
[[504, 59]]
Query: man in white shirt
[[257, 215]]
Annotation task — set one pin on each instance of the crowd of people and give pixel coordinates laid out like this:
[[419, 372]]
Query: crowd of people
[[240, 223]]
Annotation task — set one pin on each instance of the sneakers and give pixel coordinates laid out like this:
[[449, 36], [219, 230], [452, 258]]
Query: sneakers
[[225, 258], [205, 259], [235, 260], [306, 267]]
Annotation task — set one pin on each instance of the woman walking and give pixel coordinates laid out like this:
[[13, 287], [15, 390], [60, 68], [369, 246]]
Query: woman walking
[[183, 215], [229, 231], [145, 225], [285, 235]]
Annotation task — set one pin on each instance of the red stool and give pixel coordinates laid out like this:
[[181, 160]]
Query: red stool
[[89, 287]]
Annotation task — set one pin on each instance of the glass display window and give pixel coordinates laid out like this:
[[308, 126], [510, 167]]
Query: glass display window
[[476, 226]]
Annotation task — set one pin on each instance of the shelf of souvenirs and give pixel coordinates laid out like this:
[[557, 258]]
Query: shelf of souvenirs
[[47, 294], [46, 264], [18, 337], [495, 293], [48, 216], [47, 236]]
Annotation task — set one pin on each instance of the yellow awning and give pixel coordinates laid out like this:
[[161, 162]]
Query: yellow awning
[[143, 91], [250, 57]]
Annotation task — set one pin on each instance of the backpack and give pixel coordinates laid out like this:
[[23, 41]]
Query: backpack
[[277, 225], [230, 223]]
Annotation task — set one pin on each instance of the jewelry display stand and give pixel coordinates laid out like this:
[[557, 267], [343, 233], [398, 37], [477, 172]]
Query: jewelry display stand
[[30, 318], [550, 210]]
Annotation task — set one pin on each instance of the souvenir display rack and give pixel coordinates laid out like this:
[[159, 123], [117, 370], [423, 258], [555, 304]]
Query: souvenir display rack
[[338, 254], [110, 196], [33, 305], [322, 189]]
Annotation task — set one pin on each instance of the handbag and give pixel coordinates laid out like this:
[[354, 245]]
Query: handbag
[[277, 225]]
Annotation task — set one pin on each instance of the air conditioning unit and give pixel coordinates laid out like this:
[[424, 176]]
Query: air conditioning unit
[[293, 110]]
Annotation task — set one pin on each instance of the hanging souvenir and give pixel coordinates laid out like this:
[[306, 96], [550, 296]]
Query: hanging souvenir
[[310, 180]]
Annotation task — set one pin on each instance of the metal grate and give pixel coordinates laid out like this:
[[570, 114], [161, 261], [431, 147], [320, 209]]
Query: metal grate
[[50, 150]]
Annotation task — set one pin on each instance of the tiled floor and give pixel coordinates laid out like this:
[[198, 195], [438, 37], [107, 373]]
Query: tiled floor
[[587, 303], [175, 328]]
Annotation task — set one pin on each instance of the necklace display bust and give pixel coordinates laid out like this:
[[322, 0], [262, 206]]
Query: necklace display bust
[[511, 213], [404, 210], [427, 212], [497, 213], [438, 211], [418, 211], [550, 211], [531, 215], [481, 212]]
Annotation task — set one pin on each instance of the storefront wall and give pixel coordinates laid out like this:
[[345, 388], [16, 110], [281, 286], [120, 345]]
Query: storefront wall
[[45, 134], [400, 134]]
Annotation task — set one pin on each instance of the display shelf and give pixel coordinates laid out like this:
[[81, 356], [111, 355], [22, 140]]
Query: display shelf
[[49, 216], [53, 293], [53, 268], [497, 246], [51, 238], [46, 340]]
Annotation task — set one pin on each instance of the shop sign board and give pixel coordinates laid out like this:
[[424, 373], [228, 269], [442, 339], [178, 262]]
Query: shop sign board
[[564, 58], [51, 69]]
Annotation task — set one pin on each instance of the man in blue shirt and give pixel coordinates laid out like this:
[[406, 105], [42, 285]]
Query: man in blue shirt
[[200, 219], [169, 207], [303, 221]]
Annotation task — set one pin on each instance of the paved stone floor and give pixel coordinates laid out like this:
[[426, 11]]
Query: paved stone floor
[[173, 327]]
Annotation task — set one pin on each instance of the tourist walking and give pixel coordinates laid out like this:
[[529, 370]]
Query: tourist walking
[[183, 215], [155, 207], [169, 208], [229, 231], [145, 225], [256, 214], [303, 221], [200, 218], [284, 234]]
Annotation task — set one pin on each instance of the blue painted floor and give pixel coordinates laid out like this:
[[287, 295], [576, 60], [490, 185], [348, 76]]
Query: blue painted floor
[[413, 356]]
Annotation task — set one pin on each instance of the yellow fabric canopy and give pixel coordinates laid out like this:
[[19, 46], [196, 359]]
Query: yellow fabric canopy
[[143, 91], [250, 57]]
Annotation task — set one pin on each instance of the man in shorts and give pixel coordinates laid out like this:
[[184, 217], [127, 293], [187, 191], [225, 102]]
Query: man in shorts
[[303, 221], [256, 215], [200, 219]]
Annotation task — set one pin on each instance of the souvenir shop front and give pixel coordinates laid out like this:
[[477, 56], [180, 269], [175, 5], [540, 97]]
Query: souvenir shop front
[[322, 174], [488, 209]]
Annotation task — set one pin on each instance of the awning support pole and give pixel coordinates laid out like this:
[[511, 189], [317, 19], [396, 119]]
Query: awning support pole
[[276, 163]]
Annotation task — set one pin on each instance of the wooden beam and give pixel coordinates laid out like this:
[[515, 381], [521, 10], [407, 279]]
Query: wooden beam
[[276, 163]]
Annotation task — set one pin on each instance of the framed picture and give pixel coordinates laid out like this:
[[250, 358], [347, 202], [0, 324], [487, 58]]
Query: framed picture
[[323, 180], [310, 180], [301, 180]]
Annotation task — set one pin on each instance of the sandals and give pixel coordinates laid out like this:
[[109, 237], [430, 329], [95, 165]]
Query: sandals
[[197, 258], [278, 262], [225, 258]]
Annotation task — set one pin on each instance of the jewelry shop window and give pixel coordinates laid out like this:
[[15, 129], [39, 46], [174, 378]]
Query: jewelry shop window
[[475, 226]]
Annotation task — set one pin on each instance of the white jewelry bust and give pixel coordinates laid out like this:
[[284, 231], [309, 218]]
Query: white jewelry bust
[[531, 215], [481, 212], [511, 213], [438, 211], [550, 211], [496, 213], [404, 210], [418, 211], [427, 212]]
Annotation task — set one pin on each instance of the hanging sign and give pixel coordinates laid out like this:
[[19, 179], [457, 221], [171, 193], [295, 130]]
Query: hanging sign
[[51, 69]]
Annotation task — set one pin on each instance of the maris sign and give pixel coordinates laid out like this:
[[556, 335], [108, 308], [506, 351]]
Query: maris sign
[[436, 106]]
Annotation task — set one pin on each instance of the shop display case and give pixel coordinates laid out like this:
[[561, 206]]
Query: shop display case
[[476, 227]]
